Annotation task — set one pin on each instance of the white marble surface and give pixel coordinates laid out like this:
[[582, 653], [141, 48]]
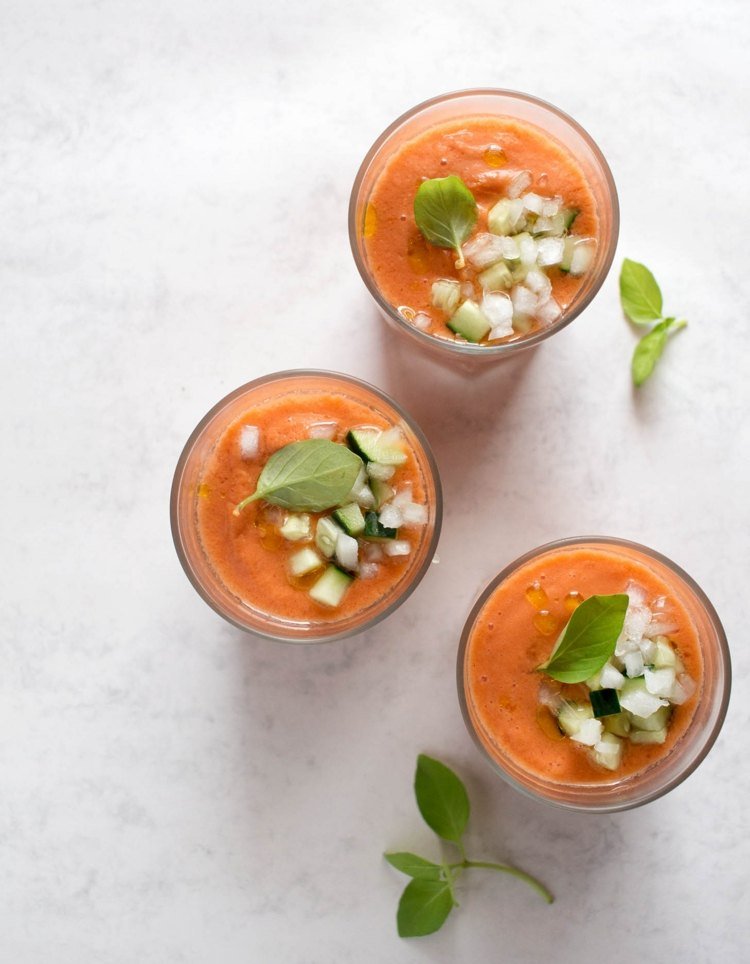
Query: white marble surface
[[173, 189]]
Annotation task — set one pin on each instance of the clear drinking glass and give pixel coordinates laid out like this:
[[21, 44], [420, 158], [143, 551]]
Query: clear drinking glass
[[475, 103], [184, 499], [615, 793]]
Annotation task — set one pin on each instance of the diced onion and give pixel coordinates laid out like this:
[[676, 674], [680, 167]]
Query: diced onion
[[589, 733], [347, 551], [662, 624], [380, 472], [540, 284], [422, 321], [550, 251], [368, 569], [484, 250], [445, 293], [528, 250], [322, 430], [498, 309], [397, 547], [550, 206], [414, 514], [524, 301], [549, 312], [583, 256], [683, 689], [372, 552], [519, 183], [533, 202], [641, 703], [390, 516], [611, 678], [249, 441], [660, 682], [634, 664], [403, 496]]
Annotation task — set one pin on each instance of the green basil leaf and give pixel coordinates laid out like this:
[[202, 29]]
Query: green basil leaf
[[639, 293], [441, 798], [588, 640], [649, 349], [423, 907], [445, 211], [314, 474], [414, 866]]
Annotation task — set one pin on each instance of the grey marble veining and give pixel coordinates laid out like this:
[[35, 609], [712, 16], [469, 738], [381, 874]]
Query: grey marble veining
[[173, 188]]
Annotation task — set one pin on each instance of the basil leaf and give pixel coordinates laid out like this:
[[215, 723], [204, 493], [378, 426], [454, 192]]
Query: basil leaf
[[441, 798], [423, 907], [649, 349], [414, 866], [639, 293], [314, 474], [588, 640], [445, 212]]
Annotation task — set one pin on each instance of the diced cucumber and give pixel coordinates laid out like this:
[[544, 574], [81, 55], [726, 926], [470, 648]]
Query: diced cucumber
[[664, 657], [497, 277], [330, 588], [567, 257], [572, 715], [350, 518], [569, 215], [506, 217], [374, 530], [618, 724], [296, 527], [304, 561], [445, 294], [604, 703], [382, 491], [657, 721], [583, 255], [608, 751], [374, 446], [470, 322], [648, 736], [660, 682], [326, 535]]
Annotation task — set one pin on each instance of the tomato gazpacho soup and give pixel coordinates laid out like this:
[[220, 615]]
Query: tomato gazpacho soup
[[584, 666], [484, 228], [314, 507]]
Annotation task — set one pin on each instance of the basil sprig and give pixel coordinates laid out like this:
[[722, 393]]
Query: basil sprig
[[445, 211], [589, 639], [312, 475], [642, 303], [429, 897]]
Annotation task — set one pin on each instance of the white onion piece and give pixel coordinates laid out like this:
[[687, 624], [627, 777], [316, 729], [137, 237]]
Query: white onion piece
[[533, 203], [611, 678], [519, 183], [528, 251], [390, 516], [662, 624], [422, 321], [372, 552], [641, 703], [498, 309], [347, 551], [403, 496], [683, 689], [636, 594], [249, 441], [524, 301], [414, 514], [583, 256], [550, 696], [550, 251], [484, 250], [380, 472], [368, 569], [397, 547], [589, 732], [549, 312], [550, 206], [540, 284], [511, 251], [322, 430], [660, 682], [634, 664]]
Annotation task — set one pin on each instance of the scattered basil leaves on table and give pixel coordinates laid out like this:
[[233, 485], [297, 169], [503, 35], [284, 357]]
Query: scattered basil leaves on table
[[445, 211], [430, 896], [588, 640], [313, 474], [642, 302]]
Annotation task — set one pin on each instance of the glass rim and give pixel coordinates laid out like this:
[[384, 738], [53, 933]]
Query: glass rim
[[174, 514], [468, 349], [724, 658]]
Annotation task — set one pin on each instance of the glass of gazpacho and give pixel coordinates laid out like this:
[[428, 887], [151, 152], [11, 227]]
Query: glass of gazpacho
[[594, 674], [483, 221], [306, 506]]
